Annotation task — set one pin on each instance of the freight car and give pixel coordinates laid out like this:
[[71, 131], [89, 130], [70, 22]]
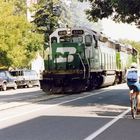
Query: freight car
[[81, 59]]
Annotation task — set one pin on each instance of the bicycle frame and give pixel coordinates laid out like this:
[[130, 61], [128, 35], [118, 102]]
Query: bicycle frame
[[133, 101]]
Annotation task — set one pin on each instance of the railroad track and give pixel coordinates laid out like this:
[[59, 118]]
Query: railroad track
[[25, 99]]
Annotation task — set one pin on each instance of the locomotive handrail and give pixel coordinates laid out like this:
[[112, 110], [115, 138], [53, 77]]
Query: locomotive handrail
[[48, 62], [82, 64], [88, 67]]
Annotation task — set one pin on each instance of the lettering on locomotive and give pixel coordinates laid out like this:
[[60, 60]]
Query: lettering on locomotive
[[77, 32], [61, 33], [62, 57]]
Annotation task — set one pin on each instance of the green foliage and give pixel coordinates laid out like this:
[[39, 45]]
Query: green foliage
[[4, 62], [46, 17], [20, 7], [16, 35], [120, 10], [66, 15], [118, 60], [134, 44]]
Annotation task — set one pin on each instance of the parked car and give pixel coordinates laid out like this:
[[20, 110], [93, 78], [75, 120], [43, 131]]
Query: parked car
[[7, 80], [25, 78]]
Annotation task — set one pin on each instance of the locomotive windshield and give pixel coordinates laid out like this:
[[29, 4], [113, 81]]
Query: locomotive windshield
[[71, 39]]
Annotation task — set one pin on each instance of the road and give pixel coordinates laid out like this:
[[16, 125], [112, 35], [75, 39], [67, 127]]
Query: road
[[104, 114]]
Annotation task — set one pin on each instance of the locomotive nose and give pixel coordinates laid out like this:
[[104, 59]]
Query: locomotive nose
[[64, 55]]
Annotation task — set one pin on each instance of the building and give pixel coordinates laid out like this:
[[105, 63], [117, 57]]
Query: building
[[38, 63], [29, 4]]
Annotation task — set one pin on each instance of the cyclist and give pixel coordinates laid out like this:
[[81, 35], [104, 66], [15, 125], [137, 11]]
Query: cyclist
[[133, 82]]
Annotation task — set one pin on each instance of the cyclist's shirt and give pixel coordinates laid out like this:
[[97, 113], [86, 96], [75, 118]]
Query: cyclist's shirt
[[133, 82]]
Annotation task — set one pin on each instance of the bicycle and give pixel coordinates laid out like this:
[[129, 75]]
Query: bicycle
[[133, 101]]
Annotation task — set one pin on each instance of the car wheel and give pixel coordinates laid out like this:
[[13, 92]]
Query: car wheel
[[4, 87], [29, 85], [15, 86]]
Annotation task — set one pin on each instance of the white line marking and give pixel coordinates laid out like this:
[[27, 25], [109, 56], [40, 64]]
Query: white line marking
[[99, 131], [49, 106]]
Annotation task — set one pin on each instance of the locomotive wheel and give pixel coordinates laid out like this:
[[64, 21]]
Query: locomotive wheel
[[4, 87], [97, 81], [90, 84], [79, 85]]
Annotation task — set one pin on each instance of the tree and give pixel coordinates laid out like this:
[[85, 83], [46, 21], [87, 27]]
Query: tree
[[18, 43], [126, 11], [46, 17], [135, 44], [66, 15], [79, 18]]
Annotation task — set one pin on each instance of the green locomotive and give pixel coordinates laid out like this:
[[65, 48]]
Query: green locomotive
[[81, 59]]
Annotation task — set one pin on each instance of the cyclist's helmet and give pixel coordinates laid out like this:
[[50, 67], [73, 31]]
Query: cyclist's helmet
[[134, 65]]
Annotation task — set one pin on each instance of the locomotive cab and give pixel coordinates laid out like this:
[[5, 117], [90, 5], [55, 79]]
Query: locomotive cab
[[72, 54]]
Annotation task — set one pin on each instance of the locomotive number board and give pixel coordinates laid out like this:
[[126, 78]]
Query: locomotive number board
[[77, 32], [61, 33]]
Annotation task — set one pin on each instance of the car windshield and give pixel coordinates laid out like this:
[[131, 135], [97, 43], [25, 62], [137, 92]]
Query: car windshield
[[9, 74], [14, 73]]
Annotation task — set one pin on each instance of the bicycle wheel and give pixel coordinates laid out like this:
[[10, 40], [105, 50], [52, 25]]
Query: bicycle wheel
[[134, 107]]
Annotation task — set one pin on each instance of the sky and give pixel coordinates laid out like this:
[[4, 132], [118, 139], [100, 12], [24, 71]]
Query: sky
[[120, 31]]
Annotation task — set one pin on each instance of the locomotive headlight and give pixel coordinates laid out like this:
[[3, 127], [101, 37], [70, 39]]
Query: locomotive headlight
[[68, 31]]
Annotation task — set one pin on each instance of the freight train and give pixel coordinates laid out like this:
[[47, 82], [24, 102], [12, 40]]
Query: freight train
[[81, 59]]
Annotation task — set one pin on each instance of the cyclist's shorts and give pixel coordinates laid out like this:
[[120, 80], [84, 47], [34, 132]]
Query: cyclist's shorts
[[134, 86]]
